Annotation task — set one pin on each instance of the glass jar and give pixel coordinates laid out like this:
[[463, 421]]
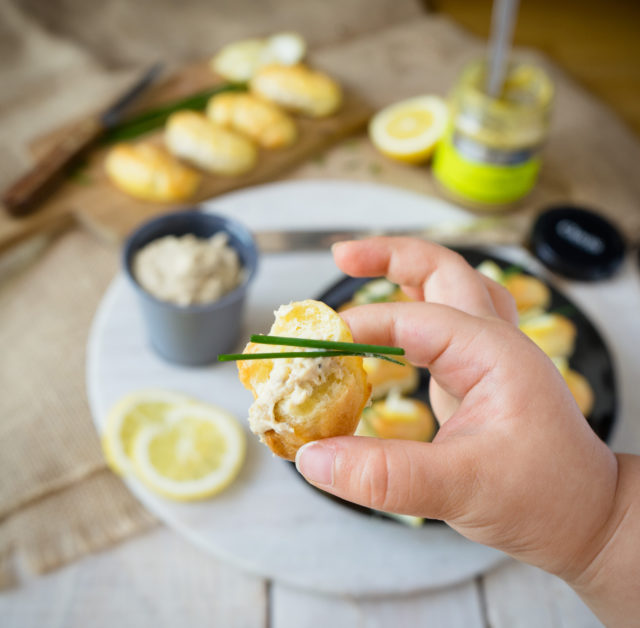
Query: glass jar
[[489, 156]]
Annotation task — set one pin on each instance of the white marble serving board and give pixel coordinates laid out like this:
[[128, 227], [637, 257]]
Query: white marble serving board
[[269, 521]]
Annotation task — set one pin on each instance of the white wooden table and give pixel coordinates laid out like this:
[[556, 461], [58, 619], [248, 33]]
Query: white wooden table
[[159, 581]]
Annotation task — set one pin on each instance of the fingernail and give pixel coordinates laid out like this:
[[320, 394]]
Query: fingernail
[[337, 245], [315, 462]]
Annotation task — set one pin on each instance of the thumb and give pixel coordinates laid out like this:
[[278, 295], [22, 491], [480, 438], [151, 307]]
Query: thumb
[[408, 477]]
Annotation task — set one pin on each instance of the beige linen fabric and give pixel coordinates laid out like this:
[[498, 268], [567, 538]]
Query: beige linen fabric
[[57, 501]]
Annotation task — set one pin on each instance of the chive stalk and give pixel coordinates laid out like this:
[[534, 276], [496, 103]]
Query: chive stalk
[[235, 357], [155, 118], [325, 344]]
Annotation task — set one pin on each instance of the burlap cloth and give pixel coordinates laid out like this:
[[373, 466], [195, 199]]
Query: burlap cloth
[[57, 500]]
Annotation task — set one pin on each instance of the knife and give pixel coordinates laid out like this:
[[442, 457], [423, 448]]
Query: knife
[[483, 231], [24, 194]]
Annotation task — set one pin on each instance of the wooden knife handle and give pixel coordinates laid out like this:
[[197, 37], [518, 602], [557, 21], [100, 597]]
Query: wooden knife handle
[[24, 195]]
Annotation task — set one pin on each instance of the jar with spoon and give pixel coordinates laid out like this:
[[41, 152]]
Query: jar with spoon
[[490, 155]]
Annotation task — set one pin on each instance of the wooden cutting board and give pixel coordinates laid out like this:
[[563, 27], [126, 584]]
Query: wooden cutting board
[[89, 198]]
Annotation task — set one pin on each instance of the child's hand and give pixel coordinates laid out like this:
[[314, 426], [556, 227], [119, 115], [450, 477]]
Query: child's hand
[[514, 465]]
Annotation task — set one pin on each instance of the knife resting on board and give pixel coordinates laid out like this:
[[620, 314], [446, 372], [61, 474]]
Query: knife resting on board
[[24, 195]]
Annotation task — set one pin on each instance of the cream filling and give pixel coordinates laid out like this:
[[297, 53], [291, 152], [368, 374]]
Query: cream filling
[[186, 270], [291, 382]]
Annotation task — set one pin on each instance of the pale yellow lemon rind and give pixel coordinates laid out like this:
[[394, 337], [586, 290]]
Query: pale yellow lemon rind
[[211, 484]]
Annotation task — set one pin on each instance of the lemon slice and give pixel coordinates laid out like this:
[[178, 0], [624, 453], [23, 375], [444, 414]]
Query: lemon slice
[[195, 454], [410, 520], [239, 61], [284, 49], [132, 413], [562, 364], [490, 269], [409, 130]]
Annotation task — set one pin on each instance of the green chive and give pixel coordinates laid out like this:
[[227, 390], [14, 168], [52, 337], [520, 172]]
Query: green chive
[[155, 118], [235, 357], [325, 344], [564, 310], [511, 271]]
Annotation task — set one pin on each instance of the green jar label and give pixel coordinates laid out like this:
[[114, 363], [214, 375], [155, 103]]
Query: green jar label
[[483, 174]]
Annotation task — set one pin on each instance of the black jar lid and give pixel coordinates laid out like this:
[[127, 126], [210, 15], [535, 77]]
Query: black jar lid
[[577, 243]]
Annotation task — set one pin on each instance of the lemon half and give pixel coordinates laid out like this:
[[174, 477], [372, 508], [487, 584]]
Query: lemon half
[[409, 130], [196, 453]]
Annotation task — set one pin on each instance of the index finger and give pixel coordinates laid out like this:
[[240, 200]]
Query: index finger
[[458, 349], [440, 275]]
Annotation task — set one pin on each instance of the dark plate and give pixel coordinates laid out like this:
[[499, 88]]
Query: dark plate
[[591, 357]]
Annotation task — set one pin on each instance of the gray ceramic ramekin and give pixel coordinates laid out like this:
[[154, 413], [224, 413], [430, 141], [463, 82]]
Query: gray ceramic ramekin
[[194, 334]]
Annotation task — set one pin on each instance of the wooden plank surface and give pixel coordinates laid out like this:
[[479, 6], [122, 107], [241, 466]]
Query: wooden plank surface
[[94, 202], [155, 581], [161, 581], [521, 596], [455, 606]]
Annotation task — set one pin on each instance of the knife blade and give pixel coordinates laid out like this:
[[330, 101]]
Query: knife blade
[[483, 231], [28, 191], [114, 114]]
